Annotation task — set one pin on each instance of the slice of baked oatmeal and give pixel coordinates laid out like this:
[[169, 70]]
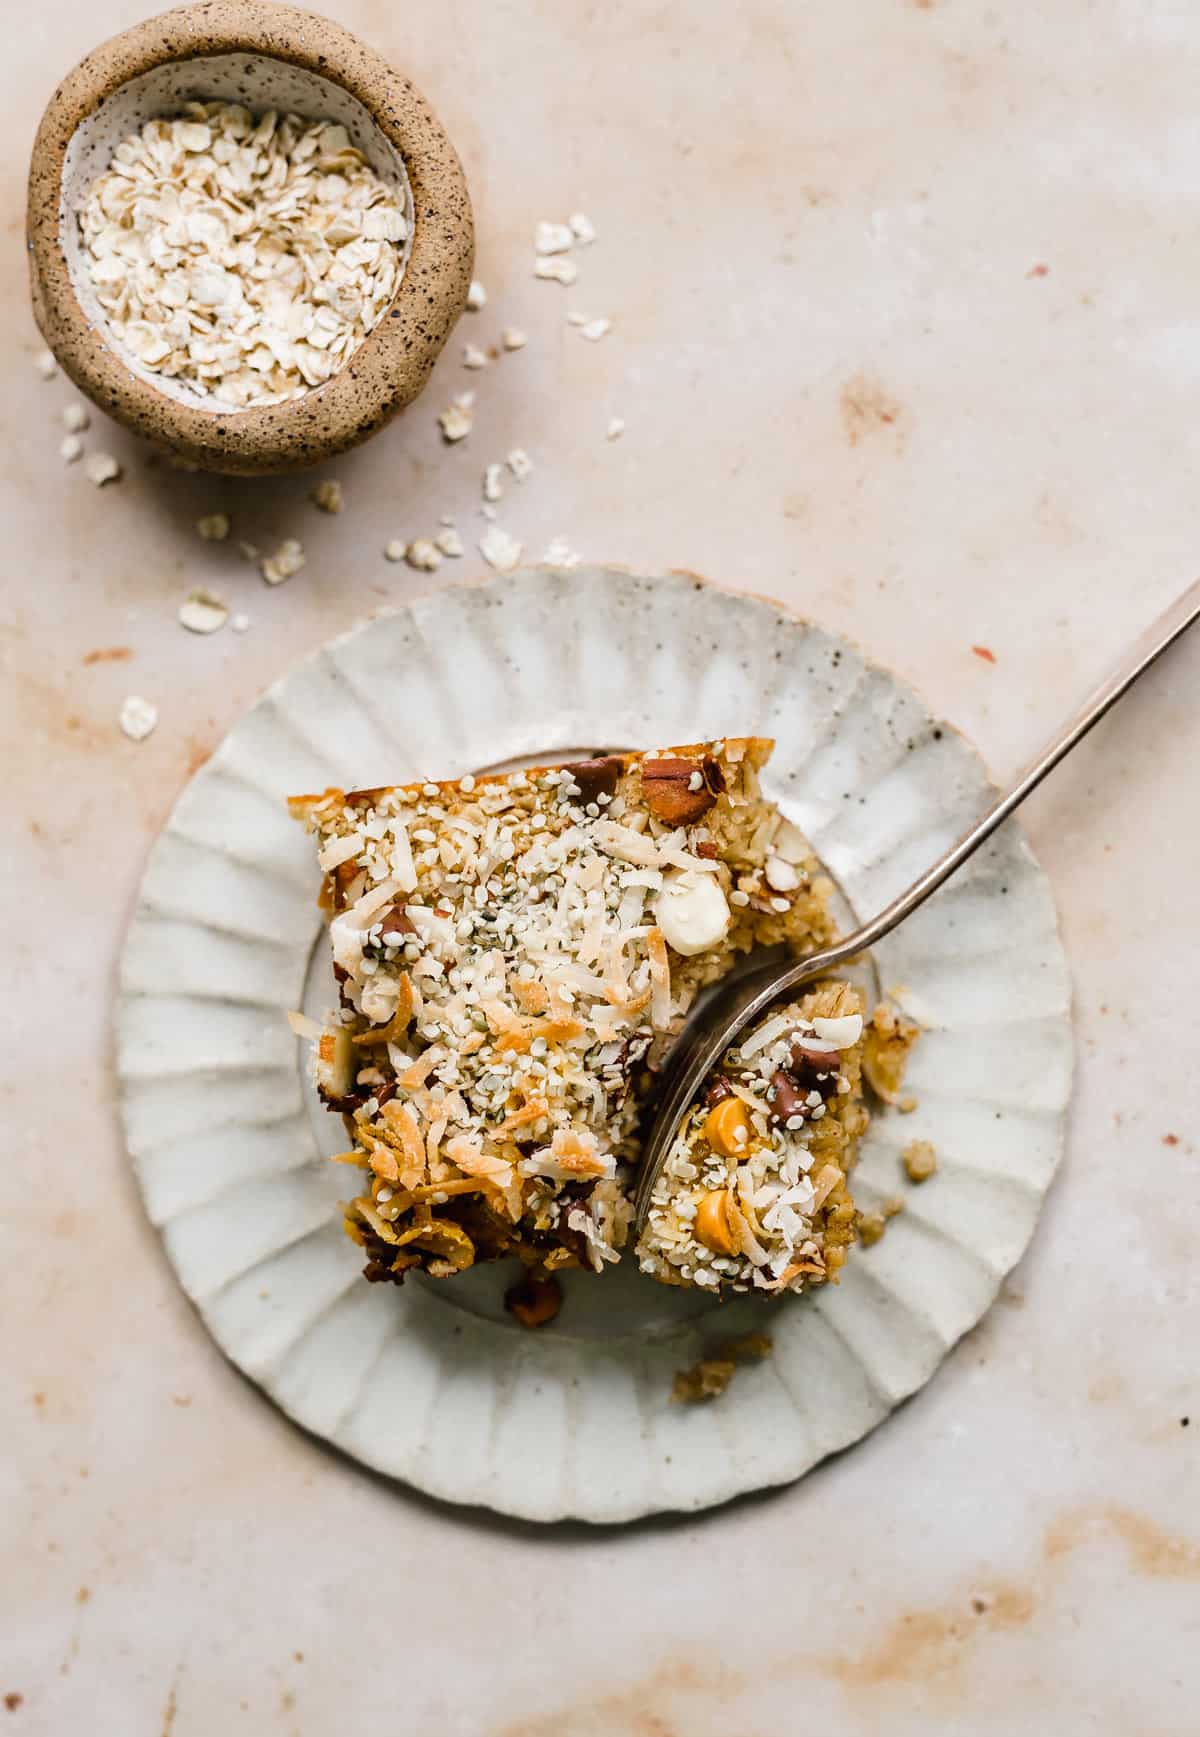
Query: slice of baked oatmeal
[[754, 1193], [511, 951]]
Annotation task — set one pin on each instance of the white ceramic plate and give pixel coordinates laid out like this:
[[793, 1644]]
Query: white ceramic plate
[[433, 1383]]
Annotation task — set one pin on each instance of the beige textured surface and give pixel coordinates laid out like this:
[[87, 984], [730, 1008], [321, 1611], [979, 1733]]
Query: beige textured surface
[[845, 382]]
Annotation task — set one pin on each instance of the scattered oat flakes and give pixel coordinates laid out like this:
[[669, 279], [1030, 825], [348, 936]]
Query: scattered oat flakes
[[425, 556], [582, 228], [137, 717], [395, 550], [449, 541], [500, 550], [327, 497], [70, 448], [239, 622], [474, 357], [615, 429], [493, 482], [45, 364], [75, 418], [214, 528], [559, 553], [245, 256], [553, 238], [920, 1160], [513, 338], [520, 463], [476, 296], [457, 421], [284, 563], [556, 268], [203, 612], [101, 468]]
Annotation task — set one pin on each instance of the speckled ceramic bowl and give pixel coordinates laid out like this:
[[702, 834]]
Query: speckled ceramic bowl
[[265, 56]]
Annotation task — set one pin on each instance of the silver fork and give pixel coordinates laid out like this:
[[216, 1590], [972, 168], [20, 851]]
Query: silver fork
[[731, 1008]]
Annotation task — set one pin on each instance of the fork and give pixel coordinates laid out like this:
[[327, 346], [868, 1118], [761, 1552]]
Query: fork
[[730, 1008]]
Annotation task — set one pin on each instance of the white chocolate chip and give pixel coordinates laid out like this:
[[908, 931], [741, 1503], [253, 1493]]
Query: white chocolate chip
[[843, 1033], [691, 911]]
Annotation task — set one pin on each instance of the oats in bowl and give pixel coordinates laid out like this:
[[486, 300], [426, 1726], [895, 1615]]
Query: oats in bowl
[[246, 257]]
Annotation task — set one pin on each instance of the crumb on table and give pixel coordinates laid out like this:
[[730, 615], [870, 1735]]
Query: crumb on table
[[919, 1160], [710, 1376]]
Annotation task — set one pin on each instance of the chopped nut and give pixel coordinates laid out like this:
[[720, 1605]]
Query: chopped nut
[[520, 463], [474, 357], [534, 1302], [101, 468], [513, 338], [920, 1160], [213, 527], [493, 482], [500, 550], [284, 563], [70, 448], [327, 496], [615, 429], [582, 228], [137, 717], [395, 550], [556, 268], [476, 296], [425, 556], [596, 778], [45, 364], [553, 238], [203, 612], [675, 791], [449, 541], [75, 418]]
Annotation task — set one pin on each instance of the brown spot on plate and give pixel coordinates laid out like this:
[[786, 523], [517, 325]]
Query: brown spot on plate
[[868, 408]]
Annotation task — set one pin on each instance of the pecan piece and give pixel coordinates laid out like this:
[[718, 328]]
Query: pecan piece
[[676, 791], [596, 778], [534, 1302], [394, 925]]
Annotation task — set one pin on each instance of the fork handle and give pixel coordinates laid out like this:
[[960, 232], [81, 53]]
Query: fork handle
[[1161, 633]]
